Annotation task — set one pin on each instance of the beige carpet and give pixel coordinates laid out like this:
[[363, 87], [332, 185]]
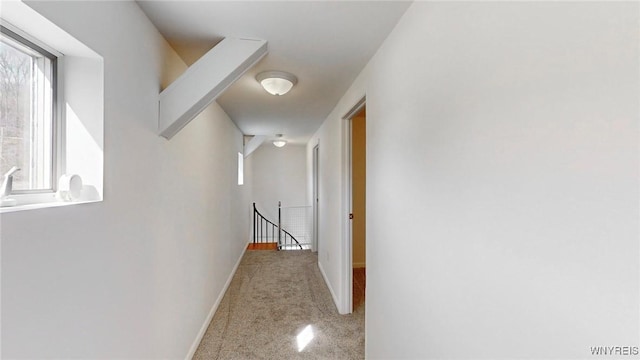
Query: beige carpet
[[274, 297]]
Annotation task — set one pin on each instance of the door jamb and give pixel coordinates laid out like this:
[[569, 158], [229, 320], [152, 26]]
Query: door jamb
[[347, 202]]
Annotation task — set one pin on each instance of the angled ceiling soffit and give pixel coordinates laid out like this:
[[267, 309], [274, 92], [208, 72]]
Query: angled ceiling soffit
[[205, 80]]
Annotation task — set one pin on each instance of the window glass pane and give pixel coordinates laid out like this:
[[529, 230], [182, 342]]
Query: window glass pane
[[240, 169], [26, 115]]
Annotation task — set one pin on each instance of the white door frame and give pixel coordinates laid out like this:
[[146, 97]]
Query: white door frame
[[347, 202]]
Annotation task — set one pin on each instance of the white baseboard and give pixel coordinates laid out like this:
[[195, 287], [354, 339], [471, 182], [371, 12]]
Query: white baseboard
[[207, 321], [326, 280]]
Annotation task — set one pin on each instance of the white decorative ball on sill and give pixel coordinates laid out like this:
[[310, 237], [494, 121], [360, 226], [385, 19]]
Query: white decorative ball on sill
[[70, 187]]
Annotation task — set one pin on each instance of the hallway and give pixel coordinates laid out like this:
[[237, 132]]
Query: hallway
[[501, 168], [266, 312]]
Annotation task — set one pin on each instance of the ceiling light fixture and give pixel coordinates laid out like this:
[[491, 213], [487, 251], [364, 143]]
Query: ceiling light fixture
[[279, 142], [276, 82]]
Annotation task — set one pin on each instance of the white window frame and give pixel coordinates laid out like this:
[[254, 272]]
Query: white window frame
[[49, 140], [34, 196]]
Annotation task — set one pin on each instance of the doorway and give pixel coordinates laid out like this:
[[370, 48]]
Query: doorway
[[316, 197], [349, 185], [358, 214]]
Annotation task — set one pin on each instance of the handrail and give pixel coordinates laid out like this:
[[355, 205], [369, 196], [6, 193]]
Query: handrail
[[292, 237], [261, 226], [259, 214], [285, 231]]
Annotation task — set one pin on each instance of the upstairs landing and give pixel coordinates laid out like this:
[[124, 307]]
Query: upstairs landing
[[263, 246]]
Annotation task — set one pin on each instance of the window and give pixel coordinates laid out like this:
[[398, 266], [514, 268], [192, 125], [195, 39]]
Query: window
[[240, 169], [27, 113], [51, 111]]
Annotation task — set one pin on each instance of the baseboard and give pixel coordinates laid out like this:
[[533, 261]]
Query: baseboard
[[357, 265], [326, 280], [207, 321]]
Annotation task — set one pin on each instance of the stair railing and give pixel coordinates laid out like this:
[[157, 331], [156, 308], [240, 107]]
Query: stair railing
[[262, 225]]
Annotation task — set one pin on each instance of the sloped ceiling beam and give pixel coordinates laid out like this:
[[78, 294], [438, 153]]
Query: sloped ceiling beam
[[253, 144], [205, 80]]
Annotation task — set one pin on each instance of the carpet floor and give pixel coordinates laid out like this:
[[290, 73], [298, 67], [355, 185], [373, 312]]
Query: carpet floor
[[277, 302]]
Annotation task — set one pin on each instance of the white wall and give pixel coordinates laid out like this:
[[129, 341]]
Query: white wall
[[136, 275], [278, 175], [502, 182], [332, 225]]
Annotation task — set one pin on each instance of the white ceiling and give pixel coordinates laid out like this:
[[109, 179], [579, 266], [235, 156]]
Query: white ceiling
[[324, 43]]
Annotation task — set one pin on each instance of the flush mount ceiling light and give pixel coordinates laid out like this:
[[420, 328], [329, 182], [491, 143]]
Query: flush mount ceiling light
[[276, 82], [279, 142]]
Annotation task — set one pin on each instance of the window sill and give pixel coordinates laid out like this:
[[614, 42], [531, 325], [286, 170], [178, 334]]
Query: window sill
[[24, 207]]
